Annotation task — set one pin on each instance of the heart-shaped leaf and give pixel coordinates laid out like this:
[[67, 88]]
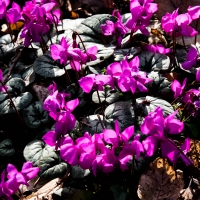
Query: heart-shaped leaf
[[46, 66], [120, 54], [94, 124], [122, 112], [6, 148], [45, 157], [159, 85], [20, 99], [102, 54], [153, 61], [149, 104], [34, 115], [5, 44], [78, 172], [110, 96]]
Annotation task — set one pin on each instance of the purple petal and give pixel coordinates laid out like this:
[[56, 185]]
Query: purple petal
[[198, 75], [127, 133], [111, 137], [71, 105], [50, 138], [87, 83], [169, 151], [188, 31], [150, 145], [11, 170]]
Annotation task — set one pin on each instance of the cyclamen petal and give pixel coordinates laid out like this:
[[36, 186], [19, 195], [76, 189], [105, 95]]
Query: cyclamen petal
[[87, 83], [198, 75], [127, 133], [150, 145], [50, 138]]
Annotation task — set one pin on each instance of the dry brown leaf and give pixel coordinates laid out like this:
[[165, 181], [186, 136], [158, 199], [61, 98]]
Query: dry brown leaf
[[41, 92], [160, 182], [46, 190], [171, 76], [194, 152], [187, 194]]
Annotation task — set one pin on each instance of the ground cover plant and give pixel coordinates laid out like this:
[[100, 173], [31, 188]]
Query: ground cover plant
[[101, 107]]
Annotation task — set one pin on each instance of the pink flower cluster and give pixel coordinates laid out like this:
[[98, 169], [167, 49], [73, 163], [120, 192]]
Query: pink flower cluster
[[141, 11], [98, 151], [64, 52], [157, 127], [128, 76], [181, 23], [117, 29], [60, 111], [11, 179], [37, 17]]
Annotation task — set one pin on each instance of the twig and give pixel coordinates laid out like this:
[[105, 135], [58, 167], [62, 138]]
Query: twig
[[15, 60]]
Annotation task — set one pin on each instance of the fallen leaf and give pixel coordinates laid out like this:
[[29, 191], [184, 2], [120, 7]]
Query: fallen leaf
[[187, 194], [194, 152], [171, 76], [160, 182]]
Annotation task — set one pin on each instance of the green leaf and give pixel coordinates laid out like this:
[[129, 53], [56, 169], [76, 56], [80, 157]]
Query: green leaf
[[121, 111], [45, 157], [82, 195], [46, 66], [159, 84], [108, 95], [20, 99], [149, 104], [6, 148], [34, 115], [119, 192], [193, 129], [78, 172], [153, 61]]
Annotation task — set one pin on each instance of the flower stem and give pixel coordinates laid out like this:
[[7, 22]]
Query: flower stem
[[181, 152], [11, 101], [55, 22], [101, 122], [10, 33], [100, 104], [67, 76], [80, 40], [195, 40]]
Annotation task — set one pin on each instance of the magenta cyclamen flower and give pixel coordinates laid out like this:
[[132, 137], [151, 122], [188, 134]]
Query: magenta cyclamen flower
[[191, 58], [179, 23], [3, 5], [194, 12], [2, 88], [155, 126], [141, 11], [114, 28], [128, 76], [93, 80], [14, 13], [158, 48], [64, 53], [16, 178], [177, 88]]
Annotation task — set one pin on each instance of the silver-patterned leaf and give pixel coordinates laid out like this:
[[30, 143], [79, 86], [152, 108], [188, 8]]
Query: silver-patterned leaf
[[45, 157], [110, 96], [153, 61], [34, 115], [20, 99], [46, 66], [149, 104], [6, 148]]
